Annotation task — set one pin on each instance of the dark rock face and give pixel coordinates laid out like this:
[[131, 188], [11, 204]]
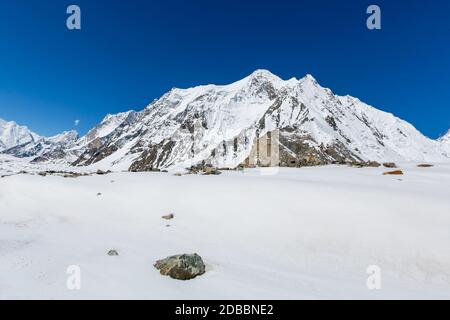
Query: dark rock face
[[296, 150], [181, 267], [154, 156]]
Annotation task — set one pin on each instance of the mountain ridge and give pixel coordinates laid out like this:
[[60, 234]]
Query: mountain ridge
[[228, 126]]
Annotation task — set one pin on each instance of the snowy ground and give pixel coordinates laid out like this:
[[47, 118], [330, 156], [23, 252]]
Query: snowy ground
[[299, 234]]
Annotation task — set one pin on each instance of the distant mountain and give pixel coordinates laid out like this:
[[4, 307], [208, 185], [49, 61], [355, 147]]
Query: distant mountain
[[260, 120], [11, 135], [44, 149]]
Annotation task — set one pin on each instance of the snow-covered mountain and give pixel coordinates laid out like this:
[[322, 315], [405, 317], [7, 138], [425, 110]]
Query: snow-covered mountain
[[445, 142], [12, 134], [259, 120], [67, 146], [43, 148], [92, 147], [226, 125]]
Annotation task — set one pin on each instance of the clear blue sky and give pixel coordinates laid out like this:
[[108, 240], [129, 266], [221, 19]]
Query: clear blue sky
[[131, 52]]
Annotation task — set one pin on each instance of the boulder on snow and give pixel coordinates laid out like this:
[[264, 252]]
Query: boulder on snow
[[425, 165], [370, 164], [389, 165], [395, 172], [211, 171], [204, 169], [113, 253], [373, 164], [181, 267], [169, 217], [101, 172]]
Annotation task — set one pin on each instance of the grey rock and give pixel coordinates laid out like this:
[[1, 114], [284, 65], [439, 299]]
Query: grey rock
[[211, 171], [169, 217], [181, 267], [113, 253], [101, 172]]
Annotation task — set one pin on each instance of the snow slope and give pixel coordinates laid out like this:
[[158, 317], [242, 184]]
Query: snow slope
[[445, 142], [10, 165], [261, 236]]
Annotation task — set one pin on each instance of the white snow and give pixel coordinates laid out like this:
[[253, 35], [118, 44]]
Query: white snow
[[10, 165], [110, 123], [302, 233], [444, 142]]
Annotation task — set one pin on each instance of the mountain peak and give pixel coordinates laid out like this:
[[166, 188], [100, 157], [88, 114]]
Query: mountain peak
[[65, 136], [310, 77], [260, 74]]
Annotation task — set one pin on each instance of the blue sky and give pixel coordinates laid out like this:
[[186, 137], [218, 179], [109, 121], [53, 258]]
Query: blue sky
[[131, 52]]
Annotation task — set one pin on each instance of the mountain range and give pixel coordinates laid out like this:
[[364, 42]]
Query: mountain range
[[260, 120]]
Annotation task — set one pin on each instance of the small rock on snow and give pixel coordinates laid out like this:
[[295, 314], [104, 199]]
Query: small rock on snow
[[181, 267], [113, 253]]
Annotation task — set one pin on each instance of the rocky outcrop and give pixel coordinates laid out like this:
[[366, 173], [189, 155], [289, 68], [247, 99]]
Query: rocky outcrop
[[181, 267]]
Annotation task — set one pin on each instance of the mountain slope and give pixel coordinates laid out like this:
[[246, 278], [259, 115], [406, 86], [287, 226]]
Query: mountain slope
[[444, 141], [12, 134], [222, 125]]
